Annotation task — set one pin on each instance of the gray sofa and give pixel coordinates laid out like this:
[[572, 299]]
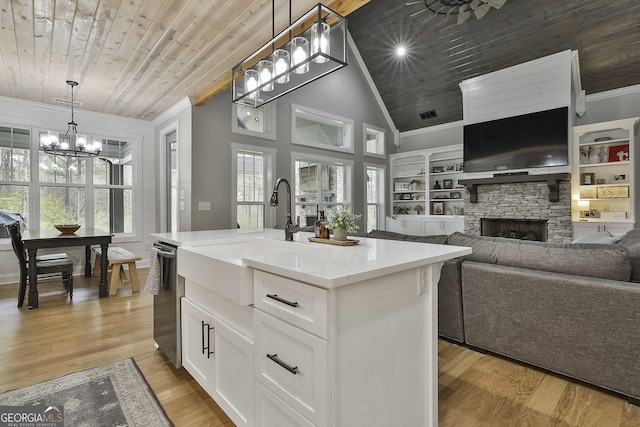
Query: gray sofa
[[573, 309]]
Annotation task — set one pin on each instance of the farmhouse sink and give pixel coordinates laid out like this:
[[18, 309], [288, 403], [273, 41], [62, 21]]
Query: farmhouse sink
[[221, 266]]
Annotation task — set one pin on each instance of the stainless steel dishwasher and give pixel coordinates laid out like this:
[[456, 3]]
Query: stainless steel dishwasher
[[166, 305]]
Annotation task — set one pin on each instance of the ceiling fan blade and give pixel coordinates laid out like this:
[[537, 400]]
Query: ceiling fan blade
[[411, 3], [496, 3], [463, 14], [480, 9]]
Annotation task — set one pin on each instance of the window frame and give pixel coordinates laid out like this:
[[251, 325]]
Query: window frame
[[348, 178], [269, 120], [382, 204], [365, 128], [269, 173], [321, 116]]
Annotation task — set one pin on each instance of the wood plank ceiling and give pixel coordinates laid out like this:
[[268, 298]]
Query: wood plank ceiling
[[137, 58], [134, 58], [441, 53]]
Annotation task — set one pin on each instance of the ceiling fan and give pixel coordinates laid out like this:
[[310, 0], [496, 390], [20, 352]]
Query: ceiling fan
[[462, 8]]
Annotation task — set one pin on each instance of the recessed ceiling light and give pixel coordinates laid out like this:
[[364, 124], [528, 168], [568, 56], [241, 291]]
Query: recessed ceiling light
[[401, 51]]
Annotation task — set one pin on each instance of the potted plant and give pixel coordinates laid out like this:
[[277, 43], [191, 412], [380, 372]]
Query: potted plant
[[341, 220]]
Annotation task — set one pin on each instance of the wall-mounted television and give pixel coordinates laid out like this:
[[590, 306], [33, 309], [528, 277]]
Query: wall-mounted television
[[535, 140]]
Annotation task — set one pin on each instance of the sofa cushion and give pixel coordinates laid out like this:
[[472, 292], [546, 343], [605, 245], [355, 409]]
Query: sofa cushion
[[381, 234], [581, 259], [631, 241]]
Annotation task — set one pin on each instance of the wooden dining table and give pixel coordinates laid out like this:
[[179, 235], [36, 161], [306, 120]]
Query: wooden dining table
[[44, 239]]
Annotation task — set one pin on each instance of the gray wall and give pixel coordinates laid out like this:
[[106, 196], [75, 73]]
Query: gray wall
[[344, 93]]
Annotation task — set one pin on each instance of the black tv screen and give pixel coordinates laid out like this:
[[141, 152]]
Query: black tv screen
[[532, 140]]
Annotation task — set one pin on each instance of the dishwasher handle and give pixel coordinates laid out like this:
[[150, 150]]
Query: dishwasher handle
[[165, 254]]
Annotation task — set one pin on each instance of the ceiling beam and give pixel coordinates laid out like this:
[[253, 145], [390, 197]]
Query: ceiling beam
[[342, 7]]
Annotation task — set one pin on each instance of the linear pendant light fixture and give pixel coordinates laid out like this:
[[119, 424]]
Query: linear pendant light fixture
[[288, 62], [71, 144]]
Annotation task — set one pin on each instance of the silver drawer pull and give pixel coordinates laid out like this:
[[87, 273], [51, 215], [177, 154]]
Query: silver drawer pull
[[274, 357], [284, 301]]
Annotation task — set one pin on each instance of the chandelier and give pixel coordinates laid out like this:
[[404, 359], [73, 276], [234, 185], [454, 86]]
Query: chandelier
[[462, 8], [287, 62], [71, 144]]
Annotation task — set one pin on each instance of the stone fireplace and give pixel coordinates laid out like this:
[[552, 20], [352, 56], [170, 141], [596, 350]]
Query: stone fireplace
[[521, 201]]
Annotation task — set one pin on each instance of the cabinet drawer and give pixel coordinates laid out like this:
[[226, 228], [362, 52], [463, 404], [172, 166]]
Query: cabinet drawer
[[300, 304], [271, 411], [294, 364]]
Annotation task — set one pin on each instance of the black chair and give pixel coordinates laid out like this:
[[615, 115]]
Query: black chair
[[45, 264]]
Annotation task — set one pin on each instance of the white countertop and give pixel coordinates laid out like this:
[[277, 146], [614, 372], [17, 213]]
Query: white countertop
[[323, 265]]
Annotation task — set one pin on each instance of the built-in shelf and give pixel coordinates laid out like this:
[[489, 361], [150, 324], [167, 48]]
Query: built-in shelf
[[551, 179]]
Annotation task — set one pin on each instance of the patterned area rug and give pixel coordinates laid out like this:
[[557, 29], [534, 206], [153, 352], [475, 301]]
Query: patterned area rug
[[111, 395]]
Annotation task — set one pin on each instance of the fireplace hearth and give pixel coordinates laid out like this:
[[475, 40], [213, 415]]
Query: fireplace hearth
[[523, 229]]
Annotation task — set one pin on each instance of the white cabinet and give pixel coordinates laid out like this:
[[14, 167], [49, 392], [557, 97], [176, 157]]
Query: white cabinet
[[220, 359], [605, 176], [581, 229], [330, 357], [425, 225], [424, 184]]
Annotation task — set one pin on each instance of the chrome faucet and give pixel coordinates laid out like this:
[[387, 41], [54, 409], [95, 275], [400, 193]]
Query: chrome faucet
[[289, 226]]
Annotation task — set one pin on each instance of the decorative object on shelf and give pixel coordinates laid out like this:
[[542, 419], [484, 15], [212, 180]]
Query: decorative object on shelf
[[437, 186], [600, 181], [286, 63], [587, 194], [437, 208], [619, 153], [603, 138], [458, 211], [462, 8], [589, 214], [418, 209], [400, 210], [613, 192], [455, 195], [587, 179], [450, 168], [67, 228], [341, 220], [619, 178], [447, 184], [415, 184], [71, 144], [459, 167], [585, 155], [438, 169], [602, 154]]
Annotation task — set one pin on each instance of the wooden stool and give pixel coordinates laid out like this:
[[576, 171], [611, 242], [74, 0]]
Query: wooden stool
[[118, 256]]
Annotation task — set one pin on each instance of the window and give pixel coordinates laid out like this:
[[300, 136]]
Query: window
[[93, 192], [321, 130], [374, 140], [15, 172], [375, 176], [258, 122], [252, 172], [319, 184]]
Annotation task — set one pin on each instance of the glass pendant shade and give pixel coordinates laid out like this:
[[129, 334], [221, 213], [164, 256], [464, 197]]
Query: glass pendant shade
[[265, 74], [251, 83], [281, 64], [299, 54], [320, 42]]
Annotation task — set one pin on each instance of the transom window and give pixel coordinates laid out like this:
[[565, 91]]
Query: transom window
[[321, 130], [374, 140]]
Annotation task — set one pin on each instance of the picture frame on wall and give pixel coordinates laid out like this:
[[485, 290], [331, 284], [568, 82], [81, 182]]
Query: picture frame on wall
[[613, 192], [587, 179], [437, 208]]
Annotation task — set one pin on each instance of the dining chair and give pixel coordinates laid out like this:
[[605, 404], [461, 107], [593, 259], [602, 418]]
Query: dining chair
[[45, 264]]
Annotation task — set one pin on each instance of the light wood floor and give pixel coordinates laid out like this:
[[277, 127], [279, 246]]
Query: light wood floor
[[474, 389]]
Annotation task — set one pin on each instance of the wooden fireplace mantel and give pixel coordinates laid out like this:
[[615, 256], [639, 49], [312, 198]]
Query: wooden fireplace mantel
[[552, 182]]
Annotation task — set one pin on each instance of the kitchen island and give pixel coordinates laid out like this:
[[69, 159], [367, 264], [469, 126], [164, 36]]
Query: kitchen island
[[301, 333]]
